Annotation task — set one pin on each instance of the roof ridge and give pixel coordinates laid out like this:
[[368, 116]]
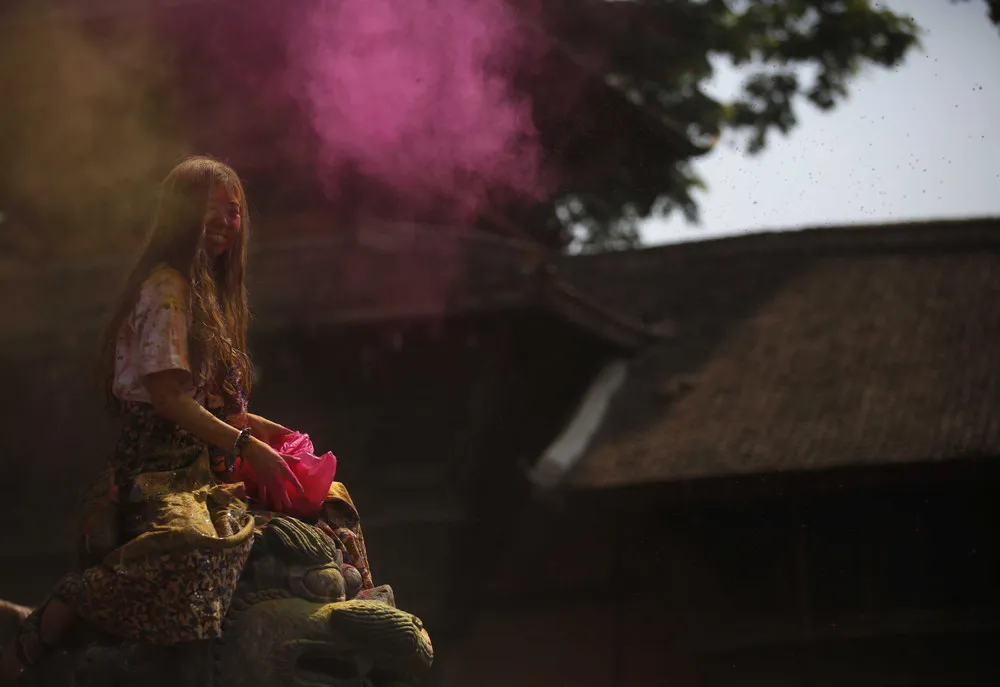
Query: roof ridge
[[852, 238]]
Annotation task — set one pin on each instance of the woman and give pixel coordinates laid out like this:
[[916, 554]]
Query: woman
[[176, 369]]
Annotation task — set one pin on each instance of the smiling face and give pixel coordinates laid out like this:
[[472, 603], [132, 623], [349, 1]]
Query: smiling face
[[223, 220]]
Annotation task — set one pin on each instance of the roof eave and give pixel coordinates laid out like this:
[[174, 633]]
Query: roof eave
[[613, 326]]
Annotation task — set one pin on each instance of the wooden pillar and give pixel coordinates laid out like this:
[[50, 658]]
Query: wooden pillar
[[803, 584]]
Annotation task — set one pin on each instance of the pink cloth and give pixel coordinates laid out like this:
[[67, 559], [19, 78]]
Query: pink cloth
[[315, 474]]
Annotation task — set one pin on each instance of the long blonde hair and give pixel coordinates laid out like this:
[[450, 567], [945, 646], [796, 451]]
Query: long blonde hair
[[217, 338]]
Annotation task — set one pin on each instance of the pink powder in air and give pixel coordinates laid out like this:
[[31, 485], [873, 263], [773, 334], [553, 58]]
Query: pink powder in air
[[417, 94]]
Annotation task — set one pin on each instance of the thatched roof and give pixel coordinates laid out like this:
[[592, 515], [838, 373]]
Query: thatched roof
[[801, 351], [371, 273]]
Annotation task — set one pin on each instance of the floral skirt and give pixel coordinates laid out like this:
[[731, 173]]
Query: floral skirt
[[162, 543]]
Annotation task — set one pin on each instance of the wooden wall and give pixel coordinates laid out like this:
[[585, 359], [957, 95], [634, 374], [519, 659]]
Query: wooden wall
[[889, 584]]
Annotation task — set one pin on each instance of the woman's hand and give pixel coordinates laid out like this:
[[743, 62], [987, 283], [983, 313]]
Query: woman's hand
[[269, 467]]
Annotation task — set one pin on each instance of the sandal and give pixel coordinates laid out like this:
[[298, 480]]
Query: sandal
[[14, 658], [29, 648]]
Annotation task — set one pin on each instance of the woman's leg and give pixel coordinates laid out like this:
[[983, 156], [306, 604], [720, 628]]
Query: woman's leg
[[57, 619], [10, 667]]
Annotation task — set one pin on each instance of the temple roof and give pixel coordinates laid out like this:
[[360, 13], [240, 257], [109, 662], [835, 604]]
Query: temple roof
[[801, 351]]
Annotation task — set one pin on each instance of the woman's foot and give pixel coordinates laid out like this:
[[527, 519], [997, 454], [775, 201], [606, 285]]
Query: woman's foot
[[11, 617], [10, 667], [38, 632]]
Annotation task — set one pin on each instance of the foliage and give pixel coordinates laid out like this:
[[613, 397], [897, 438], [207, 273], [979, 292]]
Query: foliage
[[630, 153], [618, 91]]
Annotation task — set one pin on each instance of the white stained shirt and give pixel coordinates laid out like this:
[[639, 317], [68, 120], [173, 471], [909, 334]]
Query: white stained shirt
[[154, 336]]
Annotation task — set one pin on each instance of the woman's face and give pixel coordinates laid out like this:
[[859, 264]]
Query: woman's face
[[223, 220]]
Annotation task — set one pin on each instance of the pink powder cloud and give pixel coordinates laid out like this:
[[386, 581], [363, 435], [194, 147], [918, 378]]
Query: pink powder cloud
[[417, 94]]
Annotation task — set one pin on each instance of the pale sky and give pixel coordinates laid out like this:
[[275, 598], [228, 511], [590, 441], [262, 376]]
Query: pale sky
[[918, 142]]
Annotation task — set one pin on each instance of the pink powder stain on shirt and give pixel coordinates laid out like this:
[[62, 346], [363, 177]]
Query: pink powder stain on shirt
[[417, 94]]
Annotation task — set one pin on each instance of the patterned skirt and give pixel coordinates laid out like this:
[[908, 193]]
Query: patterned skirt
[[162, 543]]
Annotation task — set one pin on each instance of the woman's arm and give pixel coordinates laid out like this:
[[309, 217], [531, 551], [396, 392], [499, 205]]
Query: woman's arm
[[166, 390], [169, 400], [163, 363], [266, 430]]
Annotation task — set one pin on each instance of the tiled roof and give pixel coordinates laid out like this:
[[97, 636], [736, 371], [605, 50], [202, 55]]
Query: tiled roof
[[803, 350]]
